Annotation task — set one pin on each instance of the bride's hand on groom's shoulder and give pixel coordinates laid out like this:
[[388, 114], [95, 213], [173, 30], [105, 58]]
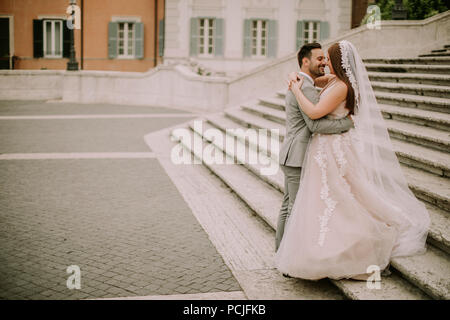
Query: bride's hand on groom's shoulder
[[297, 84], [293, 76], [293, 84], [294, 81]]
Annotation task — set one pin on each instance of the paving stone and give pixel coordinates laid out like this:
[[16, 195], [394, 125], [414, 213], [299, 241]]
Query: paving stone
[[124, 236]]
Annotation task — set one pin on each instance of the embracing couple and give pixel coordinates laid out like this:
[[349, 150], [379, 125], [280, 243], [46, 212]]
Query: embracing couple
[[346, 205]]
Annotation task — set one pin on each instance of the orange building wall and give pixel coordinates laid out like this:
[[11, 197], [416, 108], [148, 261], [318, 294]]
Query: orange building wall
[[97, 15]]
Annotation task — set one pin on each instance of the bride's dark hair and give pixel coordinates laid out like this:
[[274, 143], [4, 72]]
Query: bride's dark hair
[[336, 61]]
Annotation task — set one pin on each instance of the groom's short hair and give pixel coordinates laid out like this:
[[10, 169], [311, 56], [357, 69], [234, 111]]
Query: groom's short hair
[[305, 51]]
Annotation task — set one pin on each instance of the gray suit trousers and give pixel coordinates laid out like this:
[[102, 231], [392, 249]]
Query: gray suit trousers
[[291, 184]]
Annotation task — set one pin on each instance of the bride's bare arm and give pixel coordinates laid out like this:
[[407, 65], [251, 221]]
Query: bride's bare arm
[[325, 106], [322, 81]]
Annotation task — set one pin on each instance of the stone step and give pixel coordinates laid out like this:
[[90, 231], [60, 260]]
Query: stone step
[[417, 78], [444, 54], [437, 120], [413, 89], [432, 161], [424, 90], [393, 287], [260, 197], [253, 121], [408, 68], [414, 101], [424, 136], [422, 61], [428, 187], [277, 102], [439, 232], [268, 113], [440, 50], [265, 201], [430, 272], [415, 146], [224, 123], [260, 160], [429, 137]]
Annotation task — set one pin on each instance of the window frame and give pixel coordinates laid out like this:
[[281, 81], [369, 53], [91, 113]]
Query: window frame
[[53, 39], [205, 44], [308, 26], [125, 55], [259, 38]]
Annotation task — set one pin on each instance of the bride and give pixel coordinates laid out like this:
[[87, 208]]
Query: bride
[[353, 208]]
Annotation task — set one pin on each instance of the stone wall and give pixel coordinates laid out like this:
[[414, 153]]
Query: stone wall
[[177, 85]]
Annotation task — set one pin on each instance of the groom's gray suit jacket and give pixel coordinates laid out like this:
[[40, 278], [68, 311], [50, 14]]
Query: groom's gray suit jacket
[[299, 126]]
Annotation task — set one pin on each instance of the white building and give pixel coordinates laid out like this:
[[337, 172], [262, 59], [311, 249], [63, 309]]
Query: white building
[[234, 36]]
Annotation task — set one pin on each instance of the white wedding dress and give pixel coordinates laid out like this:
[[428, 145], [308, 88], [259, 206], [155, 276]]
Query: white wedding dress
[[343, 220]]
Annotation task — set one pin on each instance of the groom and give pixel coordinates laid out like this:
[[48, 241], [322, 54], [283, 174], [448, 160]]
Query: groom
[[299, 128]]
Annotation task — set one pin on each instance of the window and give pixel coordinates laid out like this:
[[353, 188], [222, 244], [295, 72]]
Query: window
[[125, 39], [206, 37], [53, 38], [126, 44], [259, 38], [311, 31]]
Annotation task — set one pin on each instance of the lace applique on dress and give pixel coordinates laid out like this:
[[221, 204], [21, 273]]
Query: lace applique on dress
[[342, 162], [321, 159]]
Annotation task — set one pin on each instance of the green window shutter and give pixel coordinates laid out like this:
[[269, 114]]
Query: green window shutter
[[38, 39], [324, 30], [194, 37], [139, 40], [218, 38], [112, 40], [247, 38], [299, 39], [161, 38], [272, 39]]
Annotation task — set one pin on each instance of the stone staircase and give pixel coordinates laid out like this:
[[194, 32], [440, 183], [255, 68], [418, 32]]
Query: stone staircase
[[445, 51], [414, 95]]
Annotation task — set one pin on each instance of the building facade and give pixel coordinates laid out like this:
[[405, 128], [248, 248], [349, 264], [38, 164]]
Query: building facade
[[234, 36], [114, 35]]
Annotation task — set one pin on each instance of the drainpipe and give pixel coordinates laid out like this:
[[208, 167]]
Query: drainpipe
[[82, 32], [156, 33]]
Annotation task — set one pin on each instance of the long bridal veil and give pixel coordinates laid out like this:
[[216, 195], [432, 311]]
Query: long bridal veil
[[377, 155]]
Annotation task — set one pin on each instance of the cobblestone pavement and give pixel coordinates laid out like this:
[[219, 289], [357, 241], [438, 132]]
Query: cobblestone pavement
[[122, 221]]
